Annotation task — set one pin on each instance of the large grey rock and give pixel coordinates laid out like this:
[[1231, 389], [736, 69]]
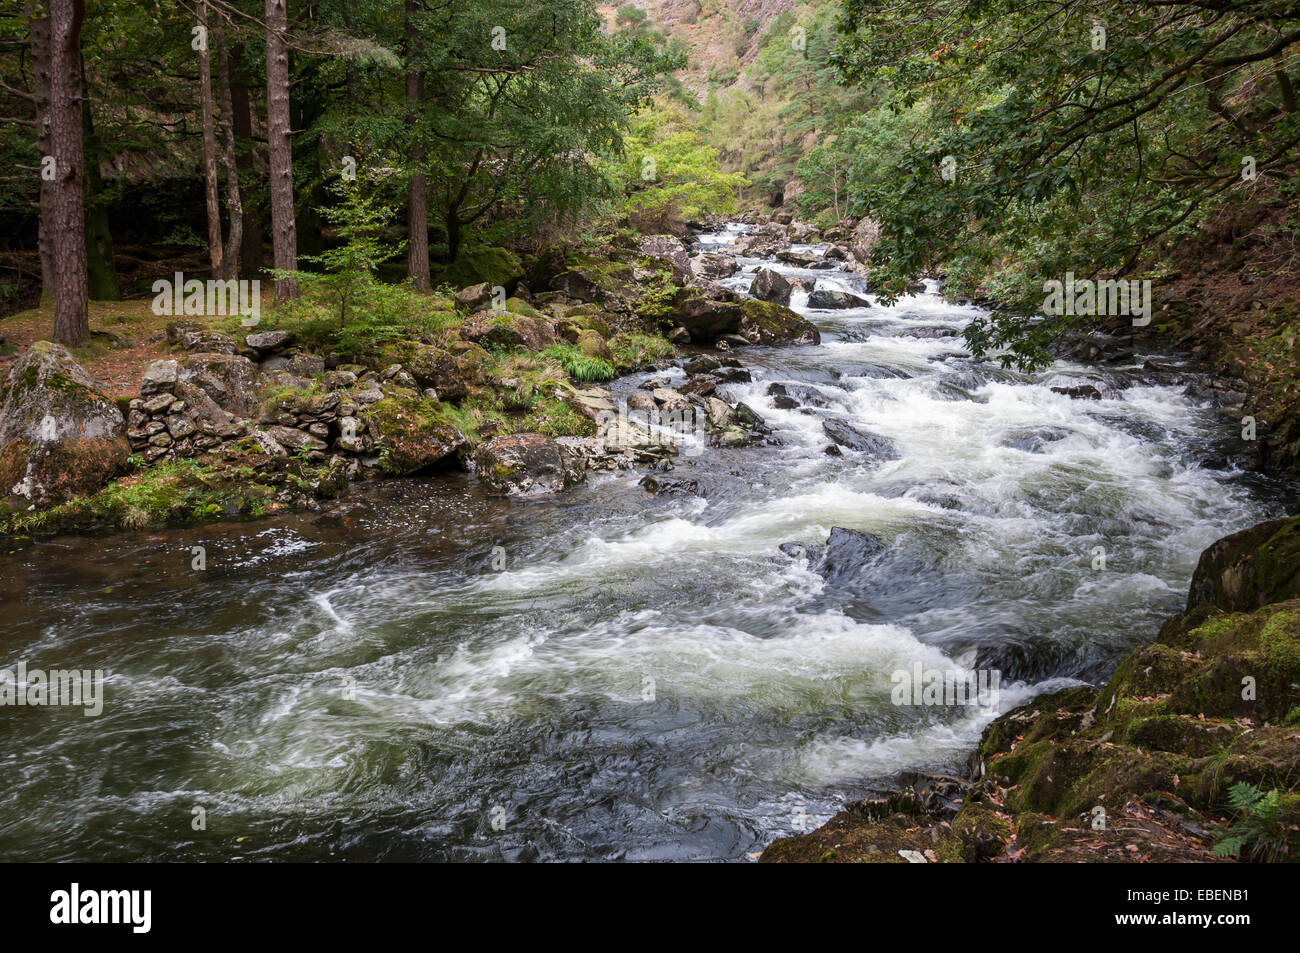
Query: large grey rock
[[669, 249], [60, 436], [524, 464], [228, 379], [770, 286], [852, 437], [474, 297], [268, 341], [712, 266], [831, 300], [707, 310]]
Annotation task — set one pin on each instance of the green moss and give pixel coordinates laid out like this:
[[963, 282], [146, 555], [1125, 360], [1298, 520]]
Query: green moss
[[495, 266], [169, 492]]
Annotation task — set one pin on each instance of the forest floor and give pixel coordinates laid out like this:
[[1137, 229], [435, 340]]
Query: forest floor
[[125, 337]]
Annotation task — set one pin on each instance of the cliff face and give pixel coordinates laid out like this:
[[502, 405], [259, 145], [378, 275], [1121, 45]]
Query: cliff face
[[1193, 744], [718, 33]]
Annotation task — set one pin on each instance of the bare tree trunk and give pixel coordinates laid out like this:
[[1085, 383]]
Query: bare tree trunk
[[209, 142], [284, 231], [234, 203], [71, 321], [40, 35], [417, 215]]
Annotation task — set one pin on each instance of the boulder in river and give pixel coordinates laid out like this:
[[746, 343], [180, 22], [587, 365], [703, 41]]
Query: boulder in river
[[665, 486], [60, 436], [769, 323], [524, 464], [829, 299], [852, 437], [707, 311], [768, 285], [712, 266], [738, 426], [1081, 392], [847, 552]]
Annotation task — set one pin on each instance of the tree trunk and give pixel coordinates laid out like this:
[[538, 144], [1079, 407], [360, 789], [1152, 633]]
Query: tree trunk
[[71, 321], [211, 198], [234, 201], [40, 36], [250, 254], [101, 273], [284, 233], [417, 215]]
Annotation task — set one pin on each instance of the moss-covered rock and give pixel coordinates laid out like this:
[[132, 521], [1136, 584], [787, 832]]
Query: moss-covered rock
[[60, 437], [412, 433], [771, 323], [1249, 569], [505, 329]]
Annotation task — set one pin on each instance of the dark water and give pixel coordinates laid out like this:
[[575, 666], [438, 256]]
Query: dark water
[[647, 679]]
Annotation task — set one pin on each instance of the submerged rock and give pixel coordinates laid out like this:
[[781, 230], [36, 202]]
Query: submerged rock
[[661, 486], [852, 437], [1033, 441]]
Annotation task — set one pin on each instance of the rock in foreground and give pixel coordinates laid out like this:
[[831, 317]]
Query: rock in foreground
[[59, 436]]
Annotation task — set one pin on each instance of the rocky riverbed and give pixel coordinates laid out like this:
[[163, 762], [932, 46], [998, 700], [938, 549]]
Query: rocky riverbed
[[496, 610]]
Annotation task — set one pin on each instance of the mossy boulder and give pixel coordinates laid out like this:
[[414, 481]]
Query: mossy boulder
[[771, 323], [411, 433], [60, 437], [525, 464], [707, 311], [608, 283], [452, 368], [593, 344], [505, 329], [1249, 569]]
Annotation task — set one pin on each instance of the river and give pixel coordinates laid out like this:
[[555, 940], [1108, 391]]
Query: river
[[646, 678]]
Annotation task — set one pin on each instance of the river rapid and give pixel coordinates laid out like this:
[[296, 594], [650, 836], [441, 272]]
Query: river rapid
[[646, 678]]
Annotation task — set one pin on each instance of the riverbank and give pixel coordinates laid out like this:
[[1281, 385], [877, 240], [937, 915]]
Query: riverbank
[[1189, 753], [227, 421]]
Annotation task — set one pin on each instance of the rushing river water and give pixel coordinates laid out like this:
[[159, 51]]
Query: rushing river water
[[647, 678]]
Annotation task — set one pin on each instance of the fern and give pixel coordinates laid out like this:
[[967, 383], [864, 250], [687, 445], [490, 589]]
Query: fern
[[1260, 831]]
